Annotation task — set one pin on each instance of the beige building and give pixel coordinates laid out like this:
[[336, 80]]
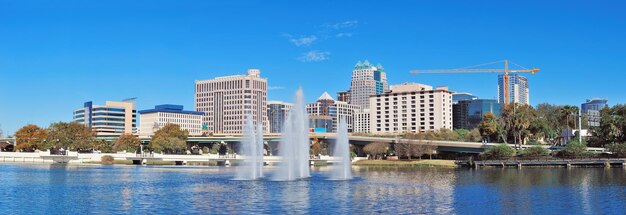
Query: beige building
[[226, 101], [112, 119], [411, 107]]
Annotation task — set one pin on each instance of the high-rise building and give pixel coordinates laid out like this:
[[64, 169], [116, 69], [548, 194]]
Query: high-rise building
[[154, 119], [336, 110], [518, 89], [112, 119], [411, 107], [467, 114], [591, 110], [367, 80], [227, 101], [277, 114]]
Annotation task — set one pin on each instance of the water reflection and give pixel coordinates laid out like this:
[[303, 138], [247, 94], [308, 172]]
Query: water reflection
[[71, 189]]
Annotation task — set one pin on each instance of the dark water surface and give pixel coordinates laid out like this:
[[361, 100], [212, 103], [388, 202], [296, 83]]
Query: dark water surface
[[95, 189]]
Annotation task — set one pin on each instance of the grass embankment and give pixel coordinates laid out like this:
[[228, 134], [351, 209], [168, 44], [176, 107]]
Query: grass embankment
[[403, 163]]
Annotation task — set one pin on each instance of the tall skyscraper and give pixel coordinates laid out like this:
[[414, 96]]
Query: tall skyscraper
[[277, 114], [112, 119], [591, 109], [518, 86], [367, 80], [226, 101]]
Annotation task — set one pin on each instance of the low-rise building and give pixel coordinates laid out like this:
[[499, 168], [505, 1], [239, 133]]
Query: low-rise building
[[154, 119], [467, 114], [112, 119], [411, 107]]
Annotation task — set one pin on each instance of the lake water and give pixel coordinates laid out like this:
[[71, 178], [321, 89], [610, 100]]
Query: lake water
[[95, 189]]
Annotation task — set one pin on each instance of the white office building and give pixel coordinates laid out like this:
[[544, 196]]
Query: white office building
[[226, 101], [411, 107], [112, 119], [154, 119], [362, 121]]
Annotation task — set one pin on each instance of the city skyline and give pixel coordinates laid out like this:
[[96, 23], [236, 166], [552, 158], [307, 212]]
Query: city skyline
[[69, 55]]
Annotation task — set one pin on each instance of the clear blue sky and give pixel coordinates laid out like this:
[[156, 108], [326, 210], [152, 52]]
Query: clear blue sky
[[55, 55]]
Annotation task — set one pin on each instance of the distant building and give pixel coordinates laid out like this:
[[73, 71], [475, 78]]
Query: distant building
[[277, 114], [112, 119], [344, 96], [411, 107], [467, 114], [227, 101], [154, 119], [456, 97], [518, 92], [591, 109], [327, 106], [367, 80]]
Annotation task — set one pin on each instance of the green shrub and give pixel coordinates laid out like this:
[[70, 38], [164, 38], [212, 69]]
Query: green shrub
[[107, 160], [499, 152], [205, 150], [215, 148], [574, 149], [618, 150], [534, 152]]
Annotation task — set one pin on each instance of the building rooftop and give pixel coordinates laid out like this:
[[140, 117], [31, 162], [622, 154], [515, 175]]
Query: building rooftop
[[325, 96], [169, 108]]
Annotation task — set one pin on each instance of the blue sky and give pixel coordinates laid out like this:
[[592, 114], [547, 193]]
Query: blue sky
[[55, 55]]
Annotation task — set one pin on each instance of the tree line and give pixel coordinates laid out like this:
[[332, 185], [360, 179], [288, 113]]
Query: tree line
[[76, 137]]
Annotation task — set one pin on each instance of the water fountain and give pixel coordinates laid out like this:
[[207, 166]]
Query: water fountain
[[251, 150], [294, 145], [342, 166]]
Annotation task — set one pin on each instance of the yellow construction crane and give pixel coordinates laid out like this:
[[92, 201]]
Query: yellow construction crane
[[475, 69]]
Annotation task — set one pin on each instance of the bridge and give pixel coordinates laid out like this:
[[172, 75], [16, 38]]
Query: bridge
[[356, 140]]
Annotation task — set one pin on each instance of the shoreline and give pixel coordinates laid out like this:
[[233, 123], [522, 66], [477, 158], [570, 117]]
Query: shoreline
[[406, 163]]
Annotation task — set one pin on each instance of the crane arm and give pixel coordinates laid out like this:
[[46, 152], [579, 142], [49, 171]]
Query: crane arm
[[533, 71]]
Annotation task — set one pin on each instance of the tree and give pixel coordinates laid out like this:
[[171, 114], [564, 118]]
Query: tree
[[488, 128], [29, 138], [71, 136], [409, 149], [103, 145], [126, 142], [567, 112], [169, 139], [473, 136], [499, 152], [376, 149]]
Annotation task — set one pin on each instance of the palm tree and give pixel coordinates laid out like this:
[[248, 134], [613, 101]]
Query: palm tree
[[568, 111]]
